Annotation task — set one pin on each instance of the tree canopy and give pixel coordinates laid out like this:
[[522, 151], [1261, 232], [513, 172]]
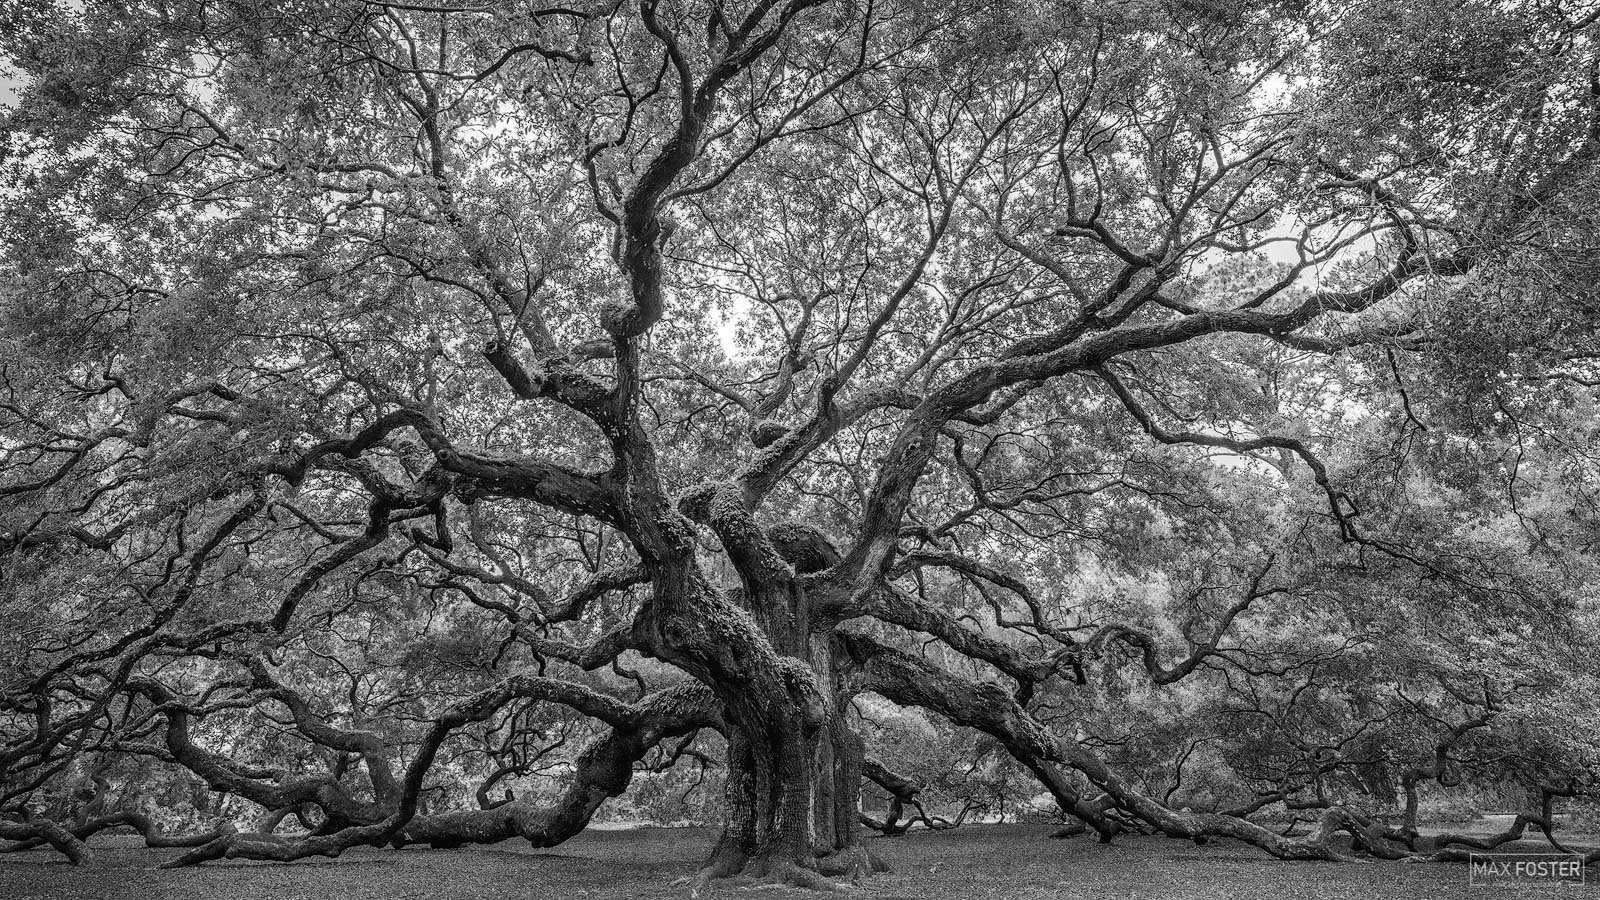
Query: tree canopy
[[403, 403]]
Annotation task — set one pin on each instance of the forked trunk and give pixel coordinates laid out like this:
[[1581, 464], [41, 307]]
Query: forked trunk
[[775, 714], [791, 803]]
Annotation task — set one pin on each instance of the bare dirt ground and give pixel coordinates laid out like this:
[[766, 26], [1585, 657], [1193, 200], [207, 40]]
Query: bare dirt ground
[[995, 862]]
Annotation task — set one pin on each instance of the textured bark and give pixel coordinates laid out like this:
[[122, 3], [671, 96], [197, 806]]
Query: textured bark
[[733, 846], [49, 832], [603, 770], [220, 774], [902, 791], [154, 836], [840, 761], [635, 729], [277, 848], [910, 681], [755, 646], [773, 705]]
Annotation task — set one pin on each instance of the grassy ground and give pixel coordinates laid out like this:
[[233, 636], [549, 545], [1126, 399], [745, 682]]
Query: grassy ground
[[1003, 862]]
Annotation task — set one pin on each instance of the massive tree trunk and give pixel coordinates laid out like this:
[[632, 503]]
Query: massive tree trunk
[[793, 764], [840, 756], [774, 714], [792, 804]]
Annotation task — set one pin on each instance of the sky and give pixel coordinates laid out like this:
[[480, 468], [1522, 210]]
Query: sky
[[10, 82]]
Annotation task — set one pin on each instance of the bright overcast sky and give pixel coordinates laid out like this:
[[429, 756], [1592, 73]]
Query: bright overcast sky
[[10, 81]]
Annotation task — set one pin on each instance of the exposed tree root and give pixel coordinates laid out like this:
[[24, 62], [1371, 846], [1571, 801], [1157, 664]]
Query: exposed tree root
[[857, 862], [758, 873]]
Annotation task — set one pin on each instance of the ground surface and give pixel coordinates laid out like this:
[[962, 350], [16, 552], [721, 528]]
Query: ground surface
[[994, 862]]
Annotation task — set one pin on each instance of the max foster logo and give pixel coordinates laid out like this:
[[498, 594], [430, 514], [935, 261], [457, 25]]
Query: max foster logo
[[1525, 868]]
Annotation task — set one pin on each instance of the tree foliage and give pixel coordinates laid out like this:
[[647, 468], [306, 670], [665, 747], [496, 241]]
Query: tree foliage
[[415, 418]]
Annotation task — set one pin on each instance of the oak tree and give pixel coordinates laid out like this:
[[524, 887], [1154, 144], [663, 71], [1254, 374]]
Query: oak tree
[[389, 386]]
